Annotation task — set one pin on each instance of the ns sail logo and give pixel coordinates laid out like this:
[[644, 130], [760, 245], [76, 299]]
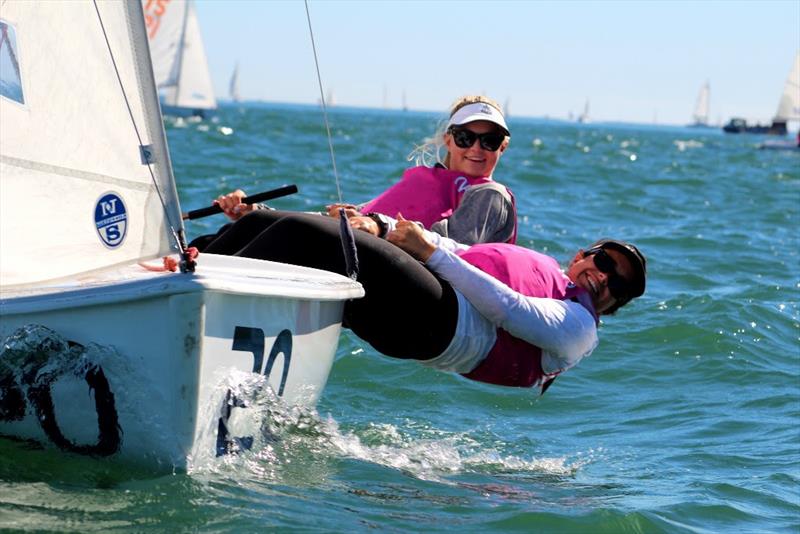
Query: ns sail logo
[[111, 219]]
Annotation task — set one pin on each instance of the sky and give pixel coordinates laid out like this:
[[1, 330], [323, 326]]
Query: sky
[[633, 61]]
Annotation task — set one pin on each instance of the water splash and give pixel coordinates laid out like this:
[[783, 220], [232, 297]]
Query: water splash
[[298, 444]]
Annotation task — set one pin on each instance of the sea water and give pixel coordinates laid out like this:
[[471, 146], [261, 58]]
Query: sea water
[[685, 419]]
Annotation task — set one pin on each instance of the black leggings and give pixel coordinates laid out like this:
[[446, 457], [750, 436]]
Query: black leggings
[[245, 230], [407, 311]]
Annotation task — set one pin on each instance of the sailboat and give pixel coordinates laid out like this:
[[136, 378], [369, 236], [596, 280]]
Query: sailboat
[[104, 352], [179, 58], [701, 108], [788, 110], [788, 107], [584, 117], [233, 86], [789, 102]]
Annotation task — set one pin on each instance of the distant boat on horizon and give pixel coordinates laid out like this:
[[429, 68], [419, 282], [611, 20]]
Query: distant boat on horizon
[[701, 108], [788, 108], [789, 102], [233, 86], [179, 58], [584, 117]]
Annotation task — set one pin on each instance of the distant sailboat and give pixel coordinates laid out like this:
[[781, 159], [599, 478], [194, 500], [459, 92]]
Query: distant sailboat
[[789, 103], [233, 86], [788, 108], [507, 108], [405, 102], [584, 117], [701, 107], [179, 58]]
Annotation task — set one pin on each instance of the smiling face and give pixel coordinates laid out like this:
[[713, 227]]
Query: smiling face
[[584, 273], [474, 161]]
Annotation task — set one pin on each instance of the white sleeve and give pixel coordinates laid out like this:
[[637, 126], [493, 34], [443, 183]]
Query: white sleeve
[[563, 328]]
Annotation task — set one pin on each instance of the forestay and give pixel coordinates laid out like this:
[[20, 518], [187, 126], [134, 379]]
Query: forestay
[[179, 57], [88, 199]]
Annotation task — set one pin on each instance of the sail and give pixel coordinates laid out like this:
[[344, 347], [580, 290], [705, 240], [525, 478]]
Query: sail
[[165, 25], [701, 106], [789, 104], [82, 164], [233, 86], [584, 117], [179, 57]]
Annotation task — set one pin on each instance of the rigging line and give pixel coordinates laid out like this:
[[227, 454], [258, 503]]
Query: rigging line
[[172, 229], [324, 107]]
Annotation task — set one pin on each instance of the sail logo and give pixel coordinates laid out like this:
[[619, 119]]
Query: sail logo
[[153, 11], [10, 78], [111, 219]]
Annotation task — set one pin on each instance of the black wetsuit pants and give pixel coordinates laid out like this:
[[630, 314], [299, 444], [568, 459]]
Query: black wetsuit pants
[[407, 311]]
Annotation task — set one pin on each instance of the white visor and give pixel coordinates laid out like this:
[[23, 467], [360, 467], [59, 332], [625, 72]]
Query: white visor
[[479, 111]]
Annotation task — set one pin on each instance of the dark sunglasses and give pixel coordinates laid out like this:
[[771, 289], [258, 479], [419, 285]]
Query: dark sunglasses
[[617, 285], [464, 138]]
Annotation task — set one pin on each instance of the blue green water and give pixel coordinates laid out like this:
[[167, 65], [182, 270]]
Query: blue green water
[[685, 419]]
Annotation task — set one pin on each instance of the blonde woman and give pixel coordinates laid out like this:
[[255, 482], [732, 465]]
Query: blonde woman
[[455, 197]]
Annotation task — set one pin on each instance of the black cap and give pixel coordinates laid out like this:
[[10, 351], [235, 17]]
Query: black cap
[[636, 259]]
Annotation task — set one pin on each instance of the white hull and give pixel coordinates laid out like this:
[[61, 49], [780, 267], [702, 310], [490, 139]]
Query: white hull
[[168, 346]]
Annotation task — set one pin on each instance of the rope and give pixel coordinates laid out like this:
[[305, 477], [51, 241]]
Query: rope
[[173, 231], [345, 230], [324, 107]]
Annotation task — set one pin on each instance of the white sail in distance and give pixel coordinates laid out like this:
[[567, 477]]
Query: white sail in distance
[[97, 191], [179, 57], [702, 106], [584, 117], [789, 104], [233, 86]]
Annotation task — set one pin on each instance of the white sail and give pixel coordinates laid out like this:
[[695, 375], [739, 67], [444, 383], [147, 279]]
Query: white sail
[[233, 86], [789, 104], [584, 117], [165, 26], [179, 57], [76, 190], [702, 106]]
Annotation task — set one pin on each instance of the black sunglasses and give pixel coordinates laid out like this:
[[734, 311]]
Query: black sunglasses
[[464, 138], [617, 285]]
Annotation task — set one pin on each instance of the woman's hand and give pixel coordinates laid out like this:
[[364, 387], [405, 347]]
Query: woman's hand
[[357, 220], [410, 237], [232, 205], [365, 224], [349, 210]]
